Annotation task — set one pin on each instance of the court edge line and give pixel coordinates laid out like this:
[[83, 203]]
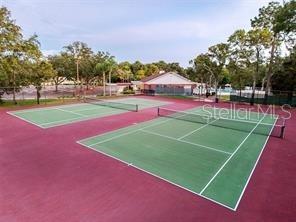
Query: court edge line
[[45, 108], [76, 104], [50, 107], [79, 119], [239, 146], [28, 121], [127, 133], [152, 174], [87, 118], [184, 141], [43, 126], [67, 111], [116, 130], [254, 167]]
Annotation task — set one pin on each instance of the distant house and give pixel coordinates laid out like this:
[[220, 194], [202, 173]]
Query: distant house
[[170, 83]]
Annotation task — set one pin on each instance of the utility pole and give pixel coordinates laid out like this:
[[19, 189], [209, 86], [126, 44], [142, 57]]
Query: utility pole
[[110, 91]]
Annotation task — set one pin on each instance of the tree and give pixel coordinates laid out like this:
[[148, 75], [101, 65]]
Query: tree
[[246, 54], [205, 69], [218, 54], [258, 41], [151, 69], [14, 51], [191, 73], [286, 23], [78, 51], [106, 67], [138, 70], [169, 67], [285, 78], [40, 72], [63, 65], [276, 19], [124, 71]]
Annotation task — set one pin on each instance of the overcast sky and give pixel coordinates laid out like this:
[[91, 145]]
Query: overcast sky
[[147, 30]]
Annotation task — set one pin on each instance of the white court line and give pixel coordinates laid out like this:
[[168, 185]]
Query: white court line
[[188, 134], [46, 108], [78, 119], [12, 114], [96, 108], [129, 132], [184, 141], [246, 184], [68, 111], [229, 158], [59, 121], [159, 177], [92, 116]]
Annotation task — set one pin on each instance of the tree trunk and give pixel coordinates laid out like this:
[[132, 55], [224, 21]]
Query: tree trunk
[[56, 87], [38, 88], [13, 96], [216, 91], [269, 72], [87, 84], [254, 77], [253, 92], [14, 89]]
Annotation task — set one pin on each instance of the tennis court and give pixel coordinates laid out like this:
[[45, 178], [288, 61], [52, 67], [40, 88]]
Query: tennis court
[[91, 108], [213, 157]]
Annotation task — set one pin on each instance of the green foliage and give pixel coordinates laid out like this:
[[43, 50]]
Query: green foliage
[[16, 53], [128, 90], [204, 68], [40, 72], [285, 77], [64, 67], [285, 18]]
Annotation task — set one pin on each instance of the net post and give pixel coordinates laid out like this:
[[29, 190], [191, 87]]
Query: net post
[[282, 132], [282, 129], [157, 111], [137, 108]]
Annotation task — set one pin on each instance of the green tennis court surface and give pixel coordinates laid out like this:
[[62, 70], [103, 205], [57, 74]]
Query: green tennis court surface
[[212, 158], [65, 114]]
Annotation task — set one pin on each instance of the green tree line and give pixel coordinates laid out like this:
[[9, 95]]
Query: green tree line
[[261, 56]]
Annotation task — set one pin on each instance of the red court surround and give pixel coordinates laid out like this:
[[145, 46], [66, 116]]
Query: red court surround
[[45, 176]]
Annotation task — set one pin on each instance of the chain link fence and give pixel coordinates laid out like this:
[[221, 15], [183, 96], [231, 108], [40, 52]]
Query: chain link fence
[[275, 97], [49, 93]]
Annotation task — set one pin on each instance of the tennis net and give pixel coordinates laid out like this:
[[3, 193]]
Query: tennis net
[[275, 130], [112, 104]]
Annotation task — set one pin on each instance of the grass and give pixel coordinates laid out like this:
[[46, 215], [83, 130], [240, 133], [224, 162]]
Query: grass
[[33, 102], [224, 97], [177, 97], [56, 101]]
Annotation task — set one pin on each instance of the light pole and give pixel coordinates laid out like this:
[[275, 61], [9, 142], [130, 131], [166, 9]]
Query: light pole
[[77, 57]]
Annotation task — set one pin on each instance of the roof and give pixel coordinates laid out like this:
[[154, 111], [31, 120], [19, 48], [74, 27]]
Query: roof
[[170, 78], [148, 78]]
